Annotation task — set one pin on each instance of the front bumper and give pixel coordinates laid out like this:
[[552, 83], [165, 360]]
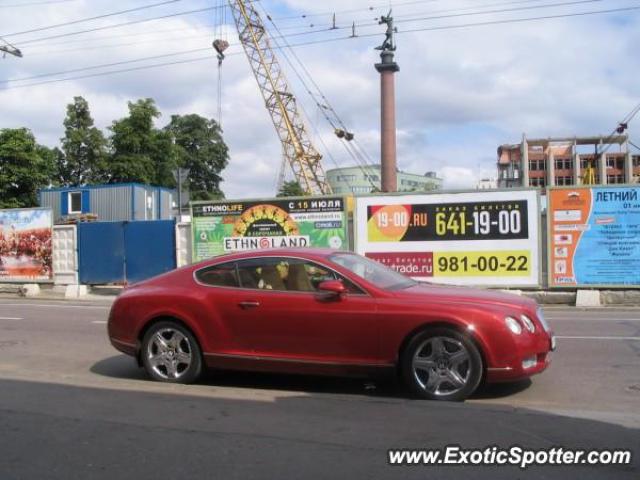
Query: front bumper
[[538, 348]]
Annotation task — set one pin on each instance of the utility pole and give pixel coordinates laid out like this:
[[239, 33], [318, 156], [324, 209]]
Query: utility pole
[[387, 68], [10, 49]]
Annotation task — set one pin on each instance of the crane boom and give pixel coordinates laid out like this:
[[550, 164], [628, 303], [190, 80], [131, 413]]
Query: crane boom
[[297, 148]]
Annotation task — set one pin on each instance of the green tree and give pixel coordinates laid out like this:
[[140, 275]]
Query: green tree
[[140, 152], [291, 189], [84, 147], [25, 167], [202, 150]]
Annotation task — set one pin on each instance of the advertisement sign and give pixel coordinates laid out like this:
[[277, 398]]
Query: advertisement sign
[[25, 245], [594, 236], [466, 238], [223, 227]]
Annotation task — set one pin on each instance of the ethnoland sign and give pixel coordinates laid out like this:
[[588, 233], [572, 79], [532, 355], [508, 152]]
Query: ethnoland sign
[[26, 245], [465, 238], [594, 236], [231, 226]]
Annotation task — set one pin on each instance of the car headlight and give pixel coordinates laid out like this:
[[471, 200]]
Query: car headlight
[[528, 323], [513, 325], [541, 319]]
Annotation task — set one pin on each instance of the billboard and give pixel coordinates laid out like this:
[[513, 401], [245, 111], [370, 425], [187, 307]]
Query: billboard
[[25, 245], [232, 226], [463, 238], [594, 236]]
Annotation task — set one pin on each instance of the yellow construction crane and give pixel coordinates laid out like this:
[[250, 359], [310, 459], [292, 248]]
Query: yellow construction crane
[[298, 150]]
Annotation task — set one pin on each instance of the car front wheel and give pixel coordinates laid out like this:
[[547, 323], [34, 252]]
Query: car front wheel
[[170, 353], [442, 364]]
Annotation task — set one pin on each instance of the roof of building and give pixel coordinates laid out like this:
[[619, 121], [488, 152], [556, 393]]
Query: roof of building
[[605, 140], [104, 185]]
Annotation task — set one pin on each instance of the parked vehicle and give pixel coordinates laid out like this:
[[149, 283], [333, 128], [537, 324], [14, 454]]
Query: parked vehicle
[[326, 312]]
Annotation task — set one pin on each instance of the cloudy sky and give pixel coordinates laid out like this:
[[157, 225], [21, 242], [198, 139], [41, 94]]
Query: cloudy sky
[[461, 92]]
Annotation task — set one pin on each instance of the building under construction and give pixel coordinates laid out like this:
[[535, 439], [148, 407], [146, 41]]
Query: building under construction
[[567, 161]]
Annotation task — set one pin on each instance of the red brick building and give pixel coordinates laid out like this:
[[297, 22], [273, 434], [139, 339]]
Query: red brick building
[[564, 161]]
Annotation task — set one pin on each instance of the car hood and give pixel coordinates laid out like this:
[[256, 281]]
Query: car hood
[[449, 294]]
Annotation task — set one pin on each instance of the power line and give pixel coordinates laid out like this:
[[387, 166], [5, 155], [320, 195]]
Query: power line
[[354, 10], [305, 32], [117, 25], [476, 24], [206, 27], [308, 32], [105, 65], [333, 25], [115, 45], [440, 17], [501, 10], [89, 19], [330, 40], [30, 4], [125, 70]]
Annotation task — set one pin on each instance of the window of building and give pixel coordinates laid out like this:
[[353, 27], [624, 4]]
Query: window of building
[[346, 178], [537, 182], [613, 179], [564, 180], [615, 162], [585, 162], [75, 202], [635, 161], [537, 165], [564, 163], [372, 178]]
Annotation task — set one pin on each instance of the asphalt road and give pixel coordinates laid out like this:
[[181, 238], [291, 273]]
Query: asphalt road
[[72, 407]]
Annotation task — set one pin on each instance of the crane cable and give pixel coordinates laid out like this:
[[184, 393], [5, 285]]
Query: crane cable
[[220, 45], [325, 108]]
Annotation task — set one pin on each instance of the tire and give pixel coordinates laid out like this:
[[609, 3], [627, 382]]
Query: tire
[[170, 353], [441, 364]]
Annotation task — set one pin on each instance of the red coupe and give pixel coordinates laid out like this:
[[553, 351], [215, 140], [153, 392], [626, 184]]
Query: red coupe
[[326, 312]]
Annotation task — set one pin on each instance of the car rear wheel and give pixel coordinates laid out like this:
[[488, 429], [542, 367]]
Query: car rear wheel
[[442, 364], [170, 353]]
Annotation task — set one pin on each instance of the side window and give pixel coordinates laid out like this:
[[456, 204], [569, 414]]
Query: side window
[[263, 273], [224, 275], [287, 274]]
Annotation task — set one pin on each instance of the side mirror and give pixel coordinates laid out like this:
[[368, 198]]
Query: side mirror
[[333, 286]]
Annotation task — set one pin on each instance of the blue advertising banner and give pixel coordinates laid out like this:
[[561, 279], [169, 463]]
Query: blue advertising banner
[[594, 236]]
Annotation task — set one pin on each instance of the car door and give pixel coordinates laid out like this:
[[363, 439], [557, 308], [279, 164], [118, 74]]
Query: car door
[[279, 312]]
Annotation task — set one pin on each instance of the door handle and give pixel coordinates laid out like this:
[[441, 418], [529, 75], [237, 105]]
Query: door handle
[[247, 305]]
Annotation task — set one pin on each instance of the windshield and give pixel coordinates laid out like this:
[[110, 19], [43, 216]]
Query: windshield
[[373, 272]]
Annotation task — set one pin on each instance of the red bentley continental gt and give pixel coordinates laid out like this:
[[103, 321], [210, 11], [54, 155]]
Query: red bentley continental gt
[[326, 312]]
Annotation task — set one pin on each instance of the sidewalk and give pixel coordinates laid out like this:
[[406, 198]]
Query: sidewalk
[[105, 294]]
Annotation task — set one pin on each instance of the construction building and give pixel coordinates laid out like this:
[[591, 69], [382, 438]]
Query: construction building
[[367, 179], [567, 161]]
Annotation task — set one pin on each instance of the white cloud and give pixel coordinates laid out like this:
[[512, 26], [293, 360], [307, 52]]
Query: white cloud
[[460, 93]]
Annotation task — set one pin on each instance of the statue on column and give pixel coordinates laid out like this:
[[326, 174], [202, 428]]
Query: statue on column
[[388, 45]]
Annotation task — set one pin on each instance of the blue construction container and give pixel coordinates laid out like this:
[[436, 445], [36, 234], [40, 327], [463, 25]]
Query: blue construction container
[[110, 203]]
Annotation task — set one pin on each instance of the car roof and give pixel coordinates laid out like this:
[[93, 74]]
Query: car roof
[[275, 252]]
